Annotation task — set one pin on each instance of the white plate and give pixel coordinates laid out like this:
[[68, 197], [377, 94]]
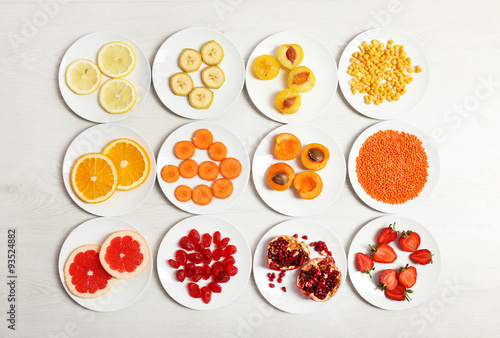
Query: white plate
[[317, 58], [235, 148], [288, 202], [166, 64], [125, 291], [427, 275], [293, 301], [432, 158], [93, 140], [87, 106], [416, 89], [177, 290]]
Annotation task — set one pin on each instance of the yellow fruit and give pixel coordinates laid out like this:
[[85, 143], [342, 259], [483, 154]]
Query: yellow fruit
[[83, 77], [212, 53], [201, 97], [131, 162], [117, 96], [94, 178], [181, 83], [266, 67], [213, 77], [290, 56], [190, 60], [288, 101], [301, 79], [116, 59]]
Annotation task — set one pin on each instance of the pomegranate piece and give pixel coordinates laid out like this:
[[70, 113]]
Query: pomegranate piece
[[180, 275], [232, 270], [206, 294], [173, 263], [229, 251], [186, 244], [195, 257], [321, 247], [319, 279], [217, 254], [216, 288], [223, 243], [181, 257], [206, 239], [194, 236], [194, 290], [217, 237], [286, 253], [222, 277]]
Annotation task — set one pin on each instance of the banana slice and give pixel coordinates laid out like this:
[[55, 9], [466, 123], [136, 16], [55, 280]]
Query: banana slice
[[212, 53], [213, 77], [181, 83], [201, 97], [190, 60]]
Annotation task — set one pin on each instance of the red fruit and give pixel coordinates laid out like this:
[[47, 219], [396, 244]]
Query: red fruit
[[229, 251], [206, 239], [173, 263], [407, 276], [194, 236], [422, 256], [186, 244], [319, 279], [409, 241], [321, 247], [305, 237], [181, 256], [206, 271], [217, 237], [364, 263], [388, 279], [195, 257], [271, 285], [400, 293], [222, 277], [232, 270], [194, 290], [190, 269], [216, 269], [228, 262], [286, 253], [387, 235], [217, 254], [198, 274], [284, 289], [207, 256], [216, 288], [199, 247], [223, 243], [180, 275], [206, 294], [383, 253], [296, 236]]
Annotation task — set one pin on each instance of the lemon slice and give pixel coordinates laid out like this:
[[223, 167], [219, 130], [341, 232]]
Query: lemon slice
[[117, 96], [83, 77], [116, 59]]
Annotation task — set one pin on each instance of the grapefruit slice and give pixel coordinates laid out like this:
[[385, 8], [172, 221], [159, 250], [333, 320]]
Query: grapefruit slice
[[84, 275], [124, 254]]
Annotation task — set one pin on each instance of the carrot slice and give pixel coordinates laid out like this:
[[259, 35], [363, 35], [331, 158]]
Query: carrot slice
[[188, 168], [184, 150], [202, 194], [208, 170], [183, 193], [202, 138], [170, 173], [217, 151], [230, 168], [222, 188]]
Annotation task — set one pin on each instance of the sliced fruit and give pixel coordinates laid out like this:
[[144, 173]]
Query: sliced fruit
[[388, 279], [286, 146], [124, 254], [422, 256], [201, 98], [190, 60], [84, 275], [213, 77], [94, 178], [364, 263], [319, 279], [116, 59], [212, 53], [290, 56], [407, 276], [388, 234], [266, 67], [181, 83], [288, 101], [409, 241], [400, 293], [383, 253], [131, 162], [301, 79], [315, 156], [286, 253], [83, 77], [117, 96], [280, 176], [308, 184]]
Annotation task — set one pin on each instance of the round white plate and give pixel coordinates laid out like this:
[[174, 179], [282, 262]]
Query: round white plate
[[293, 301], [166, 64], [416, 89], [87, 106], [432, 159], [427, 275], [288, 202], [94, 140], [125, 291], [177, 290], [235, 148], [317, 58]]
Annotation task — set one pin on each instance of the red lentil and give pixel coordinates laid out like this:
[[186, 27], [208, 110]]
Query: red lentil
[[392, 166]]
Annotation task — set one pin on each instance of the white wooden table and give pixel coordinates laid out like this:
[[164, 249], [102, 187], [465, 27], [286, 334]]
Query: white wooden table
[[459, 111]]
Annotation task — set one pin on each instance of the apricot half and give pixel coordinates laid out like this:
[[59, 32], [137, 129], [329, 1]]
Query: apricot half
[[266, 67], [314, 156], [288, 101], [290, 56], [301, 79], [287, 146], [308, 184], [280, 176]]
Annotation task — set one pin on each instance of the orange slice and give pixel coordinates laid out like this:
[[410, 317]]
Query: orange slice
[[131, 161], [94, 178]]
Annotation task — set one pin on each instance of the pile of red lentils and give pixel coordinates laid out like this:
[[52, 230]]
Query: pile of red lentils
[[392, 166]]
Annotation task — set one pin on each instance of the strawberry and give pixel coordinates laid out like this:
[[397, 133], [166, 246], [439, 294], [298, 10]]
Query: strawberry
[[383, 253], [407, 276], [387, 235], [422, 256], [409, 241], [400, 293], [388, 279], [364, 263]]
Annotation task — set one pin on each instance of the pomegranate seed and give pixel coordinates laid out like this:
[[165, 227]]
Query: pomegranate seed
[[269, 275], [173, 263], [206, 272], [271, 285], [217, 254], [228, 262], [190, 269], [279, 280], [223, 243], [232, 270], [305, 237], [194, 236], [216, 269], [229, 251], [284, 289], [194, 290], [195, 257], [180, 275], [216, 288], [217, 237], [222, 277], [186, 244], [206, 239], [206, 294], [282, 274], [296, 236], [181, 256], [313, 244]]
